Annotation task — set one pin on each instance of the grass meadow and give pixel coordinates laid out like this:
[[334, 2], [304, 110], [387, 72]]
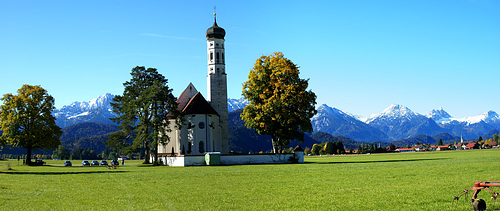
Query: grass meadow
[[399, 181]]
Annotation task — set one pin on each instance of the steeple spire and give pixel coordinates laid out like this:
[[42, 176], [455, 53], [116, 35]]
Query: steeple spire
[[215, 17], [215, 31]]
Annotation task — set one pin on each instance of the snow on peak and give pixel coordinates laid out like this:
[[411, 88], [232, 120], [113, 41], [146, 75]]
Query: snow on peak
[[439, 115], [235, 104], [393, 112], [487, 117], [327, 110], [100, 101]]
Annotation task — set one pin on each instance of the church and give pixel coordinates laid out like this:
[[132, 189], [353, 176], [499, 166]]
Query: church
[[202, 138], [205, 120]]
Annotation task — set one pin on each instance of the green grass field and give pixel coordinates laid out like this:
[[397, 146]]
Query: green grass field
[[403, 181]]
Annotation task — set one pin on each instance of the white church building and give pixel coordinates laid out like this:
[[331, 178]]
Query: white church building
[[204, 127]]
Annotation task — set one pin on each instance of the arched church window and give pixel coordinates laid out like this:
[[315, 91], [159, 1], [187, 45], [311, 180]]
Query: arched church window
[[201, 125], [201, 147], [211, 56], [217, 56]]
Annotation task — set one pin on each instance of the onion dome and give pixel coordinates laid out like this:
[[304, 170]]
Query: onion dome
[[216, 31]]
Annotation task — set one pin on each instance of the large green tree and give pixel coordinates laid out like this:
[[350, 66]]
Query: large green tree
[[146, 103], [279, 103], [26, 120]]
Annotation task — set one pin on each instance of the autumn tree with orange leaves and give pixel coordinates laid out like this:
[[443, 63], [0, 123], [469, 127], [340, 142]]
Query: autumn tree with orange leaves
[[279, 103]]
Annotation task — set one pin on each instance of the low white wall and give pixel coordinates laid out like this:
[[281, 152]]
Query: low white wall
[[184, 161], [255, 159], [234, 159]]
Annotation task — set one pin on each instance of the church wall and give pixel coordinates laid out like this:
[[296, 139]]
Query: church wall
[[174, 138], [196, 128]]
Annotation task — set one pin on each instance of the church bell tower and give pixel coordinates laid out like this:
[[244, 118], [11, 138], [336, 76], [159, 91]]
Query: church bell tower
[[217, 80]]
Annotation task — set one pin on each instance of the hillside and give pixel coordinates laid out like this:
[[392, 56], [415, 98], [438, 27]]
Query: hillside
[[87, 135]]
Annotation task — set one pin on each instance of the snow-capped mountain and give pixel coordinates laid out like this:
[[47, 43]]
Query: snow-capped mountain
[[489, 117], [340, 123], [394, 123], [235, 104], [399, 122], [97, 110], [439, 115], [393, 112]]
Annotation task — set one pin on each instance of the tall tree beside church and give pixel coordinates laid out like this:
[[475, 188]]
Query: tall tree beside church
[[144, 107], [26, 120], [279, 103]]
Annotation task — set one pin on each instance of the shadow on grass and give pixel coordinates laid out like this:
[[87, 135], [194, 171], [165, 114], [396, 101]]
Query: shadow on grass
[[58, 173], [377, 161]]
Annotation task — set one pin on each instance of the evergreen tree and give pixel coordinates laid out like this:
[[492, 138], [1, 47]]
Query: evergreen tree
[[330, 148], [340, 147], [440, 143], [146, 103], [61, 152], [392, 147]]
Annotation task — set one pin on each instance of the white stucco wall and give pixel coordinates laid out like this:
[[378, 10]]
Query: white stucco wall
[[234, 159]]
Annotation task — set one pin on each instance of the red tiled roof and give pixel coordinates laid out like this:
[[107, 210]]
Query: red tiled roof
[[470, 145]]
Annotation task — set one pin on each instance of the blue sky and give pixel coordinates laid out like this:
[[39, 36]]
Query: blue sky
[[360, 56]]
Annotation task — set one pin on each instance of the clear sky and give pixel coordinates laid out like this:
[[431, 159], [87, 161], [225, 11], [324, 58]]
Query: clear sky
[[360, 56]]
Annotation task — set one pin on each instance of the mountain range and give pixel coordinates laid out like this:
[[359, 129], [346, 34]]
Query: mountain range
[[398, 122], [394, 123], [97, 110]]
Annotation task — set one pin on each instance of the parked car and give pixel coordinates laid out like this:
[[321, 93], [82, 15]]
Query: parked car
[[38, 162], [114, 162], [94, 163], [104, 163], [67, 163], [85, 163]]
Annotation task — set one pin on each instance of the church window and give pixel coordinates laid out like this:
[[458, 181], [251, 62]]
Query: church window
[[211, 56], [201, 147], [217, 56], [201, 125], [189, 147], [217, 44]]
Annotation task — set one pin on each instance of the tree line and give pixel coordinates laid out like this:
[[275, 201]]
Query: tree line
[[280, 106]]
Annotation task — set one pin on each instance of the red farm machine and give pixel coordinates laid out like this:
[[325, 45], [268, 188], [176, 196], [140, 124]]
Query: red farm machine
[[480, 204]]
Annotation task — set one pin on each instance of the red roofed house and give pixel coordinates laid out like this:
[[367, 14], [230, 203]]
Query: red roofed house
[[472, 146], [441, 148], [405, 150]]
